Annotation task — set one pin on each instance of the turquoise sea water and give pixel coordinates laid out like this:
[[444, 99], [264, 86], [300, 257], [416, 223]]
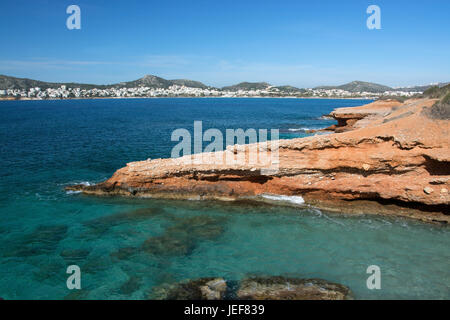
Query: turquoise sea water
[[127, 247]]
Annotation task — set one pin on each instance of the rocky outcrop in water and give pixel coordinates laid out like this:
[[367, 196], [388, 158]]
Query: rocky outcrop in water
[[280, 288], [261, 288], [385, 157], [199, 289]]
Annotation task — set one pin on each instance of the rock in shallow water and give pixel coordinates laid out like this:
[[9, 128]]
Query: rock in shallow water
[[199, 289], [264, 288], [280, 288], [214, 289]]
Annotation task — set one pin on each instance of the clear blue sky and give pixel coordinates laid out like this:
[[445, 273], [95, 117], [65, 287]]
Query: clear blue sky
[[302, 43]]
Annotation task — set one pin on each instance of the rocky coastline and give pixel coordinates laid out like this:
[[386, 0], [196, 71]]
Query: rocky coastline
[[386, 157]]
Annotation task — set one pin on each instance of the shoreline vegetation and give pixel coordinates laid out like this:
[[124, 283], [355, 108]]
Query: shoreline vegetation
[[387, 157]]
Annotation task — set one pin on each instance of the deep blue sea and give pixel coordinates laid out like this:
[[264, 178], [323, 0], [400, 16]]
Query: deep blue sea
[[46, 145]]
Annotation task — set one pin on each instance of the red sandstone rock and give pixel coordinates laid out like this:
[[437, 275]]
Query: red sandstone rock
[[389, 152]]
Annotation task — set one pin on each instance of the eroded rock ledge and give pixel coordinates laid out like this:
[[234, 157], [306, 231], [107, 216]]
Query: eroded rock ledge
[[385, 157]]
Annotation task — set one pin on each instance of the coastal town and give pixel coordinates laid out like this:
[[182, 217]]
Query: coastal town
[[65, 92]]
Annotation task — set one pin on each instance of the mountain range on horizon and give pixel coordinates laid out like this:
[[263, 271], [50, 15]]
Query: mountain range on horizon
[[9, 82]]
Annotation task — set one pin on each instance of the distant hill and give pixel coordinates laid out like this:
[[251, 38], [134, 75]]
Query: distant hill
[[413, 88], [151, 81], [247, 86], [421, 88], [158, 82], [190, 83], [289, 89], [7, 82], [146, 81], [359, 86]]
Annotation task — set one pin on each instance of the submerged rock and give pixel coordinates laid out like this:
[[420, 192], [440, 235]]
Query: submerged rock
[[102, 224], [131, 285], [200, 227], [169, 244], [96, 264], [182, 238], [280, 288], [77, 295], [47, 236], [74, 255], [43, 240], [124, 253], [50, 271], [199, 289]]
